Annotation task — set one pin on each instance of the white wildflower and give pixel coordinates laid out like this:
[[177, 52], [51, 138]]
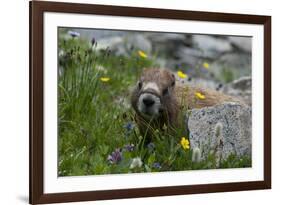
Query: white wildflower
[[136, 163], [196, 154], [101, 68], [218, 129], [219, 143]]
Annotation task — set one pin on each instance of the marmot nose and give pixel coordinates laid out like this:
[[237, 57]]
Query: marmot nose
[[148, 102]]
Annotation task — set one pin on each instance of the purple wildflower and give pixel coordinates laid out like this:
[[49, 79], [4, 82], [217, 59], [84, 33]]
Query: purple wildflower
[[129, 147], [151, 146], [73, 34], [129, 126], [156, 165], [115, 156]]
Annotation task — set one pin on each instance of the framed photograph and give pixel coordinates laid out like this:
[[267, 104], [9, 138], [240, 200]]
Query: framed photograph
[[138, 102]]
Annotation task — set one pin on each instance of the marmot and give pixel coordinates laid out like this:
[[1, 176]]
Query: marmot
[[157, 100]]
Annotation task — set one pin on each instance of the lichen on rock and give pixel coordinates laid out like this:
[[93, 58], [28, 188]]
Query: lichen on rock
[[236, 129]]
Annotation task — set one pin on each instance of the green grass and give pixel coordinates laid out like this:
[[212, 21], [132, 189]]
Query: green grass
[[93, 116]]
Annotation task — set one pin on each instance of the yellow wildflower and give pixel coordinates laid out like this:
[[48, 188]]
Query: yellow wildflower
[[182, 75], [206, 65], [184, 143], [104, 79], [142, 54], [200, 96]]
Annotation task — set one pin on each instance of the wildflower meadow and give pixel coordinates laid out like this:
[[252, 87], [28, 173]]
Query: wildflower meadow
[[97, 133]]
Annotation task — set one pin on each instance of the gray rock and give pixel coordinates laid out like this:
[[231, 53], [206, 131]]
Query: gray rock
[[166, 37], [184, 51], [124, 45], [98, 34], [236, 60], [244, 83], [240, 88], [113, 43], [243, 43], [167, 44], [231, 66], [189, 56], [211, 44], [139, 42], [235, 134]]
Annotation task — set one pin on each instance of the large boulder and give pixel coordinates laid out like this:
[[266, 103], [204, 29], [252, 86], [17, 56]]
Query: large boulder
[[226, 128]]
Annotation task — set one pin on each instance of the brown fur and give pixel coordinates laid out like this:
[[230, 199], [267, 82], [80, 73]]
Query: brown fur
[[180, 97]]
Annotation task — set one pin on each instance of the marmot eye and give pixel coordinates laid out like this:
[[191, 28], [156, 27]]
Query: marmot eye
[[140, 85], [166, 91]]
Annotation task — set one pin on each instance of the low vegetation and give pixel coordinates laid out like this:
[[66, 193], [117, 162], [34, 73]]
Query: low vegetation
[[97, 133]]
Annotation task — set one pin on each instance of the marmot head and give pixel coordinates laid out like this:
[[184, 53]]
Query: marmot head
[[154, 93]]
